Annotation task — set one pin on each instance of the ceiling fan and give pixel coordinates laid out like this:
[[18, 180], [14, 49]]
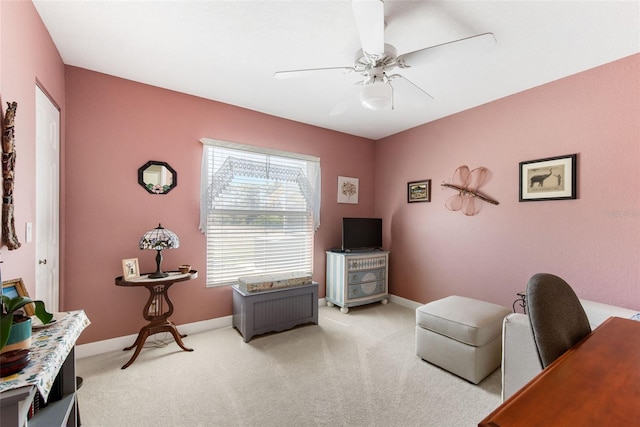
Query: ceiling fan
[[376, 60]]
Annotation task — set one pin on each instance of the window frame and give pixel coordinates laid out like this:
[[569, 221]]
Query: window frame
[[307, 181]]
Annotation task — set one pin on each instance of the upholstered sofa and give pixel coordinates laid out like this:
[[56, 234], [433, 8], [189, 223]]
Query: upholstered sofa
[[519, 357]]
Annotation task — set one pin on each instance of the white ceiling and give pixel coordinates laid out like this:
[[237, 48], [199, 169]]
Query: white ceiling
[[228, 51]]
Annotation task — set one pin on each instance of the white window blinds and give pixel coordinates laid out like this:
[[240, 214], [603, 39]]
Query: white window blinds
[[259, 210]]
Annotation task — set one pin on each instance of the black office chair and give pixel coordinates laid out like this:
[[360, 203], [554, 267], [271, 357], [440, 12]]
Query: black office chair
[[557, 318]]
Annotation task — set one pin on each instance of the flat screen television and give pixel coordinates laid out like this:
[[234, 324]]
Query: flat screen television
[[361, 234]]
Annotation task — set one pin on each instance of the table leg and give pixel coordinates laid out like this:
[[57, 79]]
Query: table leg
[[177, 336], [158, 321], [139, 343], [148, 330]]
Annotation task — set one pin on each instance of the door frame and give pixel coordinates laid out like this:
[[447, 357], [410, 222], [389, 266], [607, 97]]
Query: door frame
[[47, 290]]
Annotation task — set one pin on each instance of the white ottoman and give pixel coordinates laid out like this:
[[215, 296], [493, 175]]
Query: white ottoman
[[461, 335]]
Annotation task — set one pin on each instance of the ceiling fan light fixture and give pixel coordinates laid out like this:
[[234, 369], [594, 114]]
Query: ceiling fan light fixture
[[376, 96]]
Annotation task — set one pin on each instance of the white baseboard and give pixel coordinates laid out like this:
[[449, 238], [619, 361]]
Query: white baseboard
[[404, 302], [105, 346]]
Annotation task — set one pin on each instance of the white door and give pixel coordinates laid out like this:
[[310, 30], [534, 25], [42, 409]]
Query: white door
[[47, 226]]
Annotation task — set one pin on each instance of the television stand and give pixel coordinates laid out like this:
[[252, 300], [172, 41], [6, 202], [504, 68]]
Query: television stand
[[357, 278]]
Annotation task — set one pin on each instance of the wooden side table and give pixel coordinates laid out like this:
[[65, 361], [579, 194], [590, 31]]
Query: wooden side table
[[157, 317]]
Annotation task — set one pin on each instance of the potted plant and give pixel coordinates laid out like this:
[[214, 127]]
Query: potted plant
[[11, 319]]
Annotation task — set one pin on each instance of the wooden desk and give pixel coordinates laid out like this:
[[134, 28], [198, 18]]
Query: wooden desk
[[596, 382], [154, 308]]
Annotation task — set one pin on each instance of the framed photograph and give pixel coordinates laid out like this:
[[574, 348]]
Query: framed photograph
[[553, 178], [347, 190], [15, 287], [419, 191], [130, 268]]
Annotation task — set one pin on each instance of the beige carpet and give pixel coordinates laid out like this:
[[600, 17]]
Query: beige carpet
[[356, 369]]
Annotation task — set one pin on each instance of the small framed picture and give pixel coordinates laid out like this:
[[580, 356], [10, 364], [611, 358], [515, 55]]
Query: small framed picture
[[419, 191], [130, 268], [348, 190], [553, 178], [14, 288]]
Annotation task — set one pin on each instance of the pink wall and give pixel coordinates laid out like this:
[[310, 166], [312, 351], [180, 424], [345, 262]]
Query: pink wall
[[27, 56], [593, 242], [114, 126]]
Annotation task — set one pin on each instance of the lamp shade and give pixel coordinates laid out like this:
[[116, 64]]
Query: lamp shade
[[376, 95], [159, 238]]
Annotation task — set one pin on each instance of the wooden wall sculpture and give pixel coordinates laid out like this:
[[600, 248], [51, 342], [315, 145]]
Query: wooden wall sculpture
[[9, 237]]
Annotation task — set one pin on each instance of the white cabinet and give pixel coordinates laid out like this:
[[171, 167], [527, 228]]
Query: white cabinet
[[357, 278]]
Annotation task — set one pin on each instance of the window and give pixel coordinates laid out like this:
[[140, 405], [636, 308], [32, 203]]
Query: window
[[259, 210]]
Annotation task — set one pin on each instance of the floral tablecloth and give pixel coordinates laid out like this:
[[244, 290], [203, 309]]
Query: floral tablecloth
[[50, 346]]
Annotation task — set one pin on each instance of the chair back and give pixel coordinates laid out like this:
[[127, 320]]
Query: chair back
[[557, 318]]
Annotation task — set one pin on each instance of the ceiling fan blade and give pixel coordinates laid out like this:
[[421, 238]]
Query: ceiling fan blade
[[462, 48], [369, 16], [346, 100], [281, 75], [416, 96]]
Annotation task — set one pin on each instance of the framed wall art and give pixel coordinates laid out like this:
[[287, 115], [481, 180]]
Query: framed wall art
[[348, 190], [419, 191], [130, 268], [553, 178], [14, 288]]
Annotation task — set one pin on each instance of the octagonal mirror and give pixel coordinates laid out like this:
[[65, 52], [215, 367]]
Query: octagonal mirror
[[157, 177]]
